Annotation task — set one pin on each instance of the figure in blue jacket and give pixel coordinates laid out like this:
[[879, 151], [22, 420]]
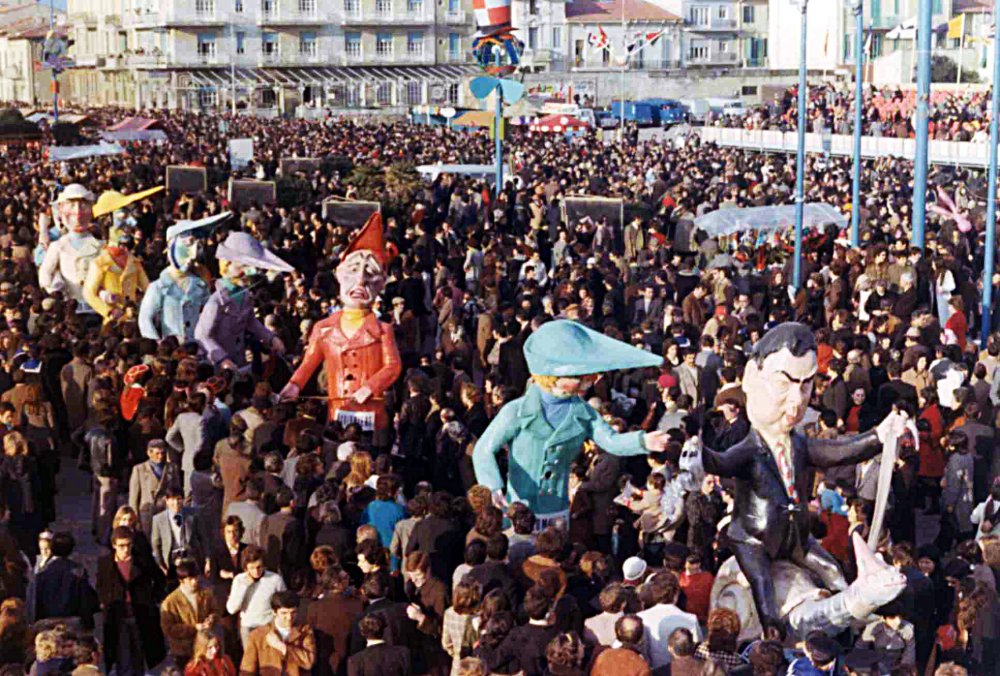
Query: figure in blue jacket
[[172, 303], [545, 429]]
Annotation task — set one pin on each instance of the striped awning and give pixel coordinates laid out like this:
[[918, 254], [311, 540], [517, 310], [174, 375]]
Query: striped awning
[[327, 76]]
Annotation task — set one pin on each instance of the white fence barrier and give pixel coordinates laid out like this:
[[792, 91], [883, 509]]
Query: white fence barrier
[[939, 152]]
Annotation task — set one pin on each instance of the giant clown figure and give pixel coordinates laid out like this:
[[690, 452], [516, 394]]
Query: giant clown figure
[[68, 259], [358, 352], [545, 429]]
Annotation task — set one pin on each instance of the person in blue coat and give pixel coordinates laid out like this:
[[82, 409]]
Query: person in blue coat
[[172, 303], [545, 429]]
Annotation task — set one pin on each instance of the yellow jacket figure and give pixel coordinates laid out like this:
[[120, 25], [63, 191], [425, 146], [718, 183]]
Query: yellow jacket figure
[[114, 278]]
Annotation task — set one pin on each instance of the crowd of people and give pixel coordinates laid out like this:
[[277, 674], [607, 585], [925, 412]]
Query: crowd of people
[[243, 532], [888, 111]]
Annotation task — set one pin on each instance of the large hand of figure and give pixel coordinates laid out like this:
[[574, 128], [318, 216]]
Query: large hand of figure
[[362, 394], [894, 426], [289, 391], [656, 441]]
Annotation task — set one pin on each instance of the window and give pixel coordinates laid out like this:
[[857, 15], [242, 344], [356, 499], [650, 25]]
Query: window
[[352, 7], [307, 6], [238, 6], [557, 37], [936, 7], [383, 94], [267, 7], [383, 44], [698, 51], [453, 94], [699, 16], [749, 90], [723, 12], [454, 6], [352, 44], [241, 40], [414, 93], [208, 97], [353, 95], [533, 37], [206, 46], [723, 46], [204, 6], [383, 7], [454, 45], [415, 6], [748, 14], [533, 7], [415, 43], [269, 43], [307, 44]]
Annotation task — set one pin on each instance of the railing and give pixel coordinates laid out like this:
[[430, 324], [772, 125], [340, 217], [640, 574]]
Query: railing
[[291, 15], [454, 16], [715, 58], [712, 24], [422, 16], [146, 60], [939, 152], [885, 22], [88, 18], [655, 64]]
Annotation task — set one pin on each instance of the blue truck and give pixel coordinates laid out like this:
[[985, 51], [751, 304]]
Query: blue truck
[[635, 111], [667, 112]]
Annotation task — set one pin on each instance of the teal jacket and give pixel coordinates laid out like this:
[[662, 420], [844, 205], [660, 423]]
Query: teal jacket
[[540, 456]]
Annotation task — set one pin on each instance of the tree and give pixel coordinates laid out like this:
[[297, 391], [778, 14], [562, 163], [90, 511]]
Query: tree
[[944, 69]]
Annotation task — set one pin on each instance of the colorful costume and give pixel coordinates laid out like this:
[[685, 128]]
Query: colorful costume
[[545, 431], [357, 350], [229, 316], [174, 302], [114, 278], [67, 259]]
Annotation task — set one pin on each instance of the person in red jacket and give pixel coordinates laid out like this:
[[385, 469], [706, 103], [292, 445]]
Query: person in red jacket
[[209, 660], [697, 586]]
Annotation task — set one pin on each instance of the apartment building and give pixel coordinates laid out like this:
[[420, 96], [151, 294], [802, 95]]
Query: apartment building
[[753, 33], [586, 17], [20, 51], [272, 55]]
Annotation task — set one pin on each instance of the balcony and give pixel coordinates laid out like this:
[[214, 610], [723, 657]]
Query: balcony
[[712, 25], [177, 17], [293, 59], [655, 64], [715, 59], [455, 17], [299, 15], [401, 17], [885, 23], [146, 60], [83, 18]]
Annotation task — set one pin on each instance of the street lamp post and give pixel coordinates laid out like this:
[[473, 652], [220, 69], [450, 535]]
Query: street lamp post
[[923, 103], [800, 157], [990, 251], [857, 6]]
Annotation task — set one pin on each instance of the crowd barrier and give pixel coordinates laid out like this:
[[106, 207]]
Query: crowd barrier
[[939, 152]]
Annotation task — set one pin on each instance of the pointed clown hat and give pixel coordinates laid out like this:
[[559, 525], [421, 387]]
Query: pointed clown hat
[[566, 348], [369, 238], [242, 248], [491, 15], [111, 201]]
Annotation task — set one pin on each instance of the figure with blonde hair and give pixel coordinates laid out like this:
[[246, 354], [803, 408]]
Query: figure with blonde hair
[[361, 470], [21, 491], [208, 658]]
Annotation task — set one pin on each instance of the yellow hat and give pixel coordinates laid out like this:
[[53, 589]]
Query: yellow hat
[[111, 201]]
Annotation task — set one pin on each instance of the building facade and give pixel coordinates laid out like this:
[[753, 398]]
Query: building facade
[[271, 55], [21, 80]]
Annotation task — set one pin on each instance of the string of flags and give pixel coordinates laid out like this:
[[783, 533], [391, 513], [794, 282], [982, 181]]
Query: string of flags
[[633, 43]]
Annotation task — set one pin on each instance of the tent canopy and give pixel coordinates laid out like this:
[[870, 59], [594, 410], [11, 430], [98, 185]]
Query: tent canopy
[[136, 124], [558, 123], [474, 118], [768, 219]]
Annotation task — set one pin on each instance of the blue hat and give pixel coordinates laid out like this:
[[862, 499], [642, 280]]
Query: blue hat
[[566, 348], [242, 248], [181, 227]]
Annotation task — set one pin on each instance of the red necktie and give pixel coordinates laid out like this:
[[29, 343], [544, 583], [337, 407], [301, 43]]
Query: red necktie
[[785, 468]]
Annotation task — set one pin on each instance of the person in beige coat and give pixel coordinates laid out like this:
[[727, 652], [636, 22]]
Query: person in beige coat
[[280, 648], [74, 380], [148, 484], [186, 611]]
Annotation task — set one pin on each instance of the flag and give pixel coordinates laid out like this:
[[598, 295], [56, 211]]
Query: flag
[[651, 38], [598, 40], [634, 43], [869, 43], [956, 27]]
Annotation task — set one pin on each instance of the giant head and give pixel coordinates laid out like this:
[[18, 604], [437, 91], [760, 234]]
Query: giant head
[[184, 240], [778, 378], [75, 206], [361, 273], [242, 258]]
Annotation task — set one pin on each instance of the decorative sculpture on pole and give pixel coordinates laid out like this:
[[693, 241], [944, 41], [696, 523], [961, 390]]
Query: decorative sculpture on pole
[[357, 350], [498, 52]]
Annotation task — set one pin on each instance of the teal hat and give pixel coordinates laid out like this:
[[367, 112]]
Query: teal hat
[[182, 227], [566, 348]]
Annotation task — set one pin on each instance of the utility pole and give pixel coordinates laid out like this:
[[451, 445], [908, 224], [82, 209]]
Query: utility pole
[[923, 104], [857, 6], [800, 157]]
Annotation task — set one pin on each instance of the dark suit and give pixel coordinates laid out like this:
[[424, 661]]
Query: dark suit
[[283, 539], [399, 628], [331, 619], [653, 314], [891, 392], [380, 660], [524, 649], [163, 539], [442, 541], [126, 601], [515, 373], [767, 524], [62, 590]]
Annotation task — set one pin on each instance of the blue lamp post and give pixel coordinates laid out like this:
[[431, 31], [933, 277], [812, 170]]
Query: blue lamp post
[[857, 7], [800, 157]]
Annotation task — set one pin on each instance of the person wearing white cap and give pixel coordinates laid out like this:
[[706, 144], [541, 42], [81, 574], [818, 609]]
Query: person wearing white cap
[[67, 260], [633, 571]]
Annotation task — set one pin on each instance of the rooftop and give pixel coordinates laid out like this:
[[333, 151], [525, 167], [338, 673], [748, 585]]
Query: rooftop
[[591, 11]]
